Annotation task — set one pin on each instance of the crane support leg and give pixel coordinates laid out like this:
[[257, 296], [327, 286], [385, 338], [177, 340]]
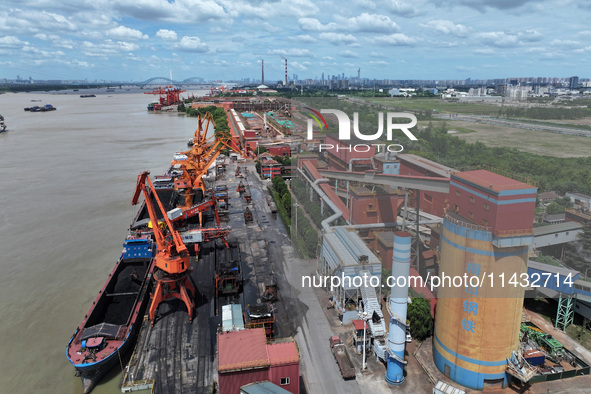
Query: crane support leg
[[180, 288]]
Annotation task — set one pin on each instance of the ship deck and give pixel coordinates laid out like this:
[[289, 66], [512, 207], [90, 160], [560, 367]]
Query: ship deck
[[176, 356]]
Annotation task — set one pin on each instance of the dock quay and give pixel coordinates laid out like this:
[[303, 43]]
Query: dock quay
[[177, 356]]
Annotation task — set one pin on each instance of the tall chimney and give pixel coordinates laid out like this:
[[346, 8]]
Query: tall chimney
[[397, 307], [262, 72]]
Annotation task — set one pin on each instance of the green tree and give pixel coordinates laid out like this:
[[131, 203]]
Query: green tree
[[578, 253], [286, 201], [260, 149], [279, 186], [419, 316], [554, 207]]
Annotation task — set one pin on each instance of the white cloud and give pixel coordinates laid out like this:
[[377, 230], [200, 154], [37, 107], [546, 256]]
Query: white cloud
[[167, 35], [46, 37], [366, 23], [11, 42], [127, 46], [270, 10], [498, 39], [348, 53], [306, 38], [530, 36], [397, 39], [271, 28], [338, 38], [401, 8], [448, 27], [485, 51], [565, 43], [482, 6], [298, 66], [311, 24], [174, 12], [125, 33], [191, 44], [501, 39], [290, 52], [371, 23]]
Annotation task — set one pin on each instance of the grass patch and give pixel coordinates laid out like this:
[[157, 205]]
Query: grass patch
[[436, 105], [580, 334]]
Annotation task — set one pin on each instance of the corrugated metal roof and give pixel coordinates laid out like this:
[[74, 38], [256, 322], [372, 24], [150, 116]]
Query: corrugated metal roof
[[283, 353], [386, 238], [246, 349], [557, 228], [426, 164], [349, 247], [371, 305], [232, 318], [491, 180], [358, 324], [564, 271], [265, 387]]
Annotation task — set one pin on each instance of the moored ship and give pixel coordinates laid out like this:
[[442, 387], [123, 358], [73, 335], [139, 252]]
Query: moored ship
[[110, 328]]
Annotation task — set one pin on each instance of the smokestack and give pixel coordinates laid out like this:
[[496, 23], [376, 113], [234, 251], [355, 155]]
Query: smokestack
[[262, 72], [397, 308], [286, 72]]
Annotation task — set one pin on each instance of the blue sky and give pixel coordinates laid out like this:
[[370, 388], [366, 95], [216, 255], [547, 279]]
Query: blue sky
[[226, 39]]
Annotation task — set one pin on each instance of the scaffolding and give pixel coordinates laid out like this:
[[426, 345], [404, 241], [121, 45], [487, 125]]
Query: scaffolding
[[566, 311]]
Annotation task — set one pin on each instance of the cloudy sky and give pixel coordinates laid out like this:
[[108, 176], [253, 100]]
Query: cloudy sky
[[226, 39]]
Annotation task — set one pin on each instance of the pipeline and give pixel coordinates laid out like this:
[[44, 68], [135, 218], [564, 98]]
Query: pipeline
[[337, 211]]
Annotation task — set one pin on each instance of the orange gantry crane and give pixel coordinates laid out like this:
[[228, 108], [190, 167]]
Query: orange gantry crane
[[169, 95], [173, 264], [199, 158]]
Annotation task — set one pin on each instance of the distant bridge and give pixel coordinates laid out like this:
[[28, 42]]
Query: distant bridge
[[168, 81]]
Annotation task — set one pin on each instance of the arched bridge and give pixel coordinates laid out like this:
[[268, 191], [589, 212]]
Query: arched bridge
[[168, 81]]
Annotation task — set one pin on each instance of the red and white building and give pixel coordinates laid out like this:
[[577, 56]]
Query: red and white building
[[245, 357]]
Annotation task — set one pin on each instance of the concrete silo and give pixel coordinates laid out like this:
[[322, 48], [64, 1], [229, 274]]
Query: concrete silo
[[486, 233]]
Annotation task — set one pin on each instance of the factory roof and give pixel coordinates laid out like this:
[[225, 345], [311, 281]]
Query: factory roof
[[549, 196], [492, 181], [564, 271], [349, 247], [283, 353], [246, 349], [378, 190], [426, 164], [386, 238], [557, 228], [265, 387], [358, 324], [579, 195]]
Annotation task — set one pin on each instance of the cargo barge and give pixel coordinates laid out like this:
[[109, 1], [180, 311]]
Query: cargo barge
[[110, 328]]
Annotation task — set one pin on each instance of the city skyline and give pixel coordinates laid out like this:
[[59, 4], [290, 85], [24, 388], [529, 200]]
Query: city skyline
[[226, 40]]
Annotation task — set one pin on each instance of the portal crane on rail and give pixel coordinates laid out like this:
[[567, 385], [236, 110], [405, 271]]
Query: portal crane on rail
[[169, 95], [173, 264], [199, 158]]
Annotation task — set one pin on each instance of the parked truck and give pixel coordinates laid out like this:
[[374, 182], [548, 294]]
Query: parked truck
[[340, 354]]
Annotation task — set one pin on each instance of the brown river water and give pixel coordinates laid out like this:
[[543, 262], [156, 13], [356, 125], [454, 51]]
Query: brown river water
[[66, 182]]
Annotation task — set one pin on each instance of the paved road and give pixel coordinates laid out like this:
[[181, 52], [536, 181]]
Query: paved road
[[306, 319]]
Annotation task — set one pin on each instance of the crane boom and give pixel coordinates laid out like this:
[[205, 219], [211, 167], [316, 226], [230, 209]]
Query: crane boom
[[172, 258]]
